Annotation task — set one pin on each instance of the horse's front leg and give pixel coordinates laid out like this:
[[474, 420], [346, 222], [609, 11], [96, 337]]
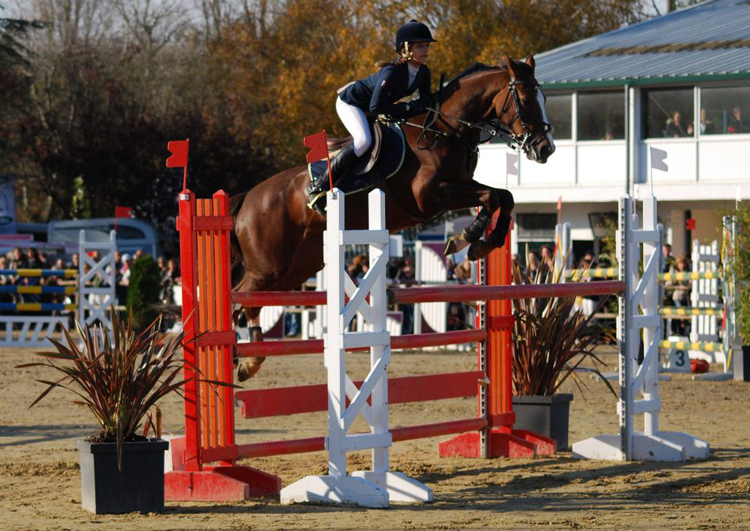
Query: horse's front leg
[[456, 195]]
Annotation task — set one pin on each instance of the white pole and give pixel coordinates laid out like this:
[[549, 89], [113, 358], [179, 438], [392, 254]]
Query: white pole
[[379, 306], [334, 353], [650, 308]]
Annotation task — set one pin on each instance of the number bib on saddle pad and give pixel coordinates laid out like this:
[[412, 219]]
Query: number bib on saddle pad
[[379, 163]]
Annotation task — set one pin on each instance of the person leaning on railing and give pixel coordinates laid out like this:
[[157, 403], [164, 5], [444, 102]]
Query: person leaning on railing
[[680, 295]]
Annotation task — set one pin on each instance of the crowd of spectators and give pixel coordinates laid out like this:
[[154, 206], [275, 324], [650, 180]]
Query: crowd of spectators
[[736, 124], [31, 258]]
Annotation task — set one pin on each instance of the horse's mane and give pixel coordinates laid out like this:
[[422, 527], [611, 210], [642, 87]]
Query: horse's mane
[[477, 68], [473, 69]]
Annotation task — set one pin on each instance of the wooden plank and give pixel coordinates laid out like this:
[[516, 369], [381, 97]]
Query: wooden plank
[[280, 401]]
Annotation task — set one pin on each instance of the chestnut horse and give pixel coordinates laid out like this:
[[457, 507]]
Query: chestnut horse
[[278, 240]]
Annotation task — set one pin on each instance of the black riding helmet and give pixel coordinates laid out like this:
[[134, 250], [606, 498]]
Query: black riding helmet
[[412, 31]]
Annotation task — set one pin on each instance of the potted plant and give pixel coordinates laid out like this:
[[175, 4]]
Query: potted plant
[[551, 339], [118, 379]]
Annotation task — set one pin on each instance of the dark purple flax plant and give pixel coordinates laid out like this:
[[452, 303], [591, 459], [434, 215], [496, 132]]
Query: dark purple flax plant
[[551, 339], [119, 379]]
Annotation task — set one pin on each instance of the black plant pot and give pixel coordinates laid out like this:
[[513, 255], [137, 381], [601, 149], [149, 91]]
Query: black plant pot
[[741, 364], [140, 485], [544, 415]]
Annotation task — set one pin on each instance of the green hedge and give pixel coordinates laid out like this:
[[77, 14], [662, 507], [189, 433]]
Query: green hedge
[[743, 272], [143, 291]]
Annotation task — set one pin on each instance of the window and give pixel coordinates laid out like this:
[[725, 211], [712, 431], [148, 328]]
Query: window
[[559, 114], [668, 113], [537, 226], [725, 110], [601, 115]]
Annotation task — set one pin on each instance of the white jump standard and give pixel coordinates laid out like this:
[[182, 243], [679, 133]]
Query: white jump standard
[[378, 487], [638, 320]]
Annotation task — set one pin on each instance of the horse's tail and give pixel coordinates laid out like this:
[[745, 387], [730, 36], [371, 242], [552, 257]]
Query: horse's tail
[[238, 266]]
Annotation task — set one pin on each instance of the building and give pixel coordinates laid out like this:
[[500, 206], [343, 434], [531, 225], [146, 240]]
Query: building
[[679, 82]]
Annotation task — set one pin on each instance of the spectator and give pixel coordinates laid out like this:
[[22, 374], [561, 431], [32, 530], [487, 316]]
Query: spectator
[[359, 267], [532, 266], [548, 257], [16, 259], [123, 280], [463, 272], [668, 258], [707, 126], [405, 277], [516, 259], [675, 127], [590, 258], [32, 259], [173, 271], [736, 124], [166, 294], [680, 295]]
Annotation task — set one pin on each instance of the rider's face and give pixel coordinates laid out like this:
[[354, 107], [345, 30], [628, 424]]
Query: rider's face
[[420, 51]]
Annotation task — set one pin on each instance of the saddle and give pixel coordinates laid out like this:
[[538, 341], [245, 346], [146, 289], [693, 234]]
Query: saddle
[[382, 161]]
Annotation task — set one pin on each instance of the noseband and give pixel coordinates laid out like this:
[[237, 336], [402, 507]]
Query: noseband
[[527, 139]]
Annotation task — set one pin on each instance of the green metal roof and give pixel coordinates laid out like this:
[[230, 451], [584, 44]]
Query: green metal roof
[[706, 42]]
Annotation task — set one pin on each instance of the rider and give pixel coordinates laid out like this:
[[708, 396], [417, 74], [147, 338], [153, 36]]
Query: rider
[[378, 94]]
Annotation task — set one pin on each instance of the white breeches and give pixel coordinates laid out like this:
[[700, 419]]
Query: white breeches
[[355, 121]]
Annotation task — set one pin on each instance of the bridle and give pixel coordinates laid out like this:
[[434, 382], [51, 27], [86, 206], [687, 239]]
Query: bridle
[[492, 127]]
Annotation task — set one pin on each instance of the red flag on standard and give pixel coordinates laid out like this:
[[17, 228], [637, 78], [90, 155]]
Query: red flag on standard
[[179, 158], [318, 144], [179, 151], [123, 212]]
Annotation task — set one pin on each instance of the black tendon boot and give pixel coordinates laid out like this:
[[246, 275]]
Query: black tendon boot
[[340, 166]]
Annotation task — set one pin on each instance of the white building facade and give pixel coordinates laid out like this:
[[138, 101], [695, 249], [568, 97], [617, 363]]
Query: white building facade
[[681, 83]]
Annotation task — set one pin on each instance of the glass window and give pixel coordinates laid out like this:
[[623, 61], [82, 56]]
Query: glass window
[[536, 225], [725, 110], [601, 115], [559, 114], [668, 113]]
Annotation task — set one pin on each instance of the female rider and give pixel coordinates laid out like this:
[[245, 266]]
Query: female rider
[[378, 94]]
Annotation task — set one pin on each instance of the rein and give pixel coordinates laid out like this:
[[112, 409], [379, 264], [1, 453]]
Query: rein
[[492, 127]]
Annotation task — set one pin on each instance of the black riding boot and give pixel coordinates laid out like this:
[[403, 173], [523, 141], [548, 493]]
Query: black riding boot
[[340, 166]]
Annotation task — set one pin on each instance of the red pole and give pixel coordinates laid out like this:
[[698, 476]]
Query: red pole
[[224, 304], [189, 298]]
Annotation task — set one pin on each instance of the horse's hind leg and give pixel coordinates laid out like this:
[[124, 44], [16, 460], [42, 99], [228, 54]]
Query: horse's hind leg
[[475, 231], [249, 367], [496, 239]]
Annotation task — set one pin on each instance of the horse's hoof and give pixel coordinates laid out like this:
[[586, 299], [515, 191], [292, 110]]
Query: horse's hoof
[[453, 245], [479, 250], [470, 235], [247, 370]]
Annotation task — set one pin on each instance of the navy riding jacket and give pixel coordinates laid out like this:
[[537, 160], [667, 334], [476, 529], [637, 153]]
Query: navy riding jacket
[[377, 94]]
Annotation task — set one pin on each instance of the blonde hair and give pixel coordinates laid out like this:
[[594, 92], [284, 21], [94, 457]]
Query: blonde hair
[[406, 55]]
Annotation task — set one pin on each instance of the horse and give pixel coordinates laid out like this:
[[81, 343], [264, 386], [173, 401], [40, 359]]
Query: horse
[[277, 240]]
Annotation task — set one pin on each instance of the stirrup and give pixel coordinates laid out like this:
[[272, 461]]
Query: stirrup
[[313, 204]]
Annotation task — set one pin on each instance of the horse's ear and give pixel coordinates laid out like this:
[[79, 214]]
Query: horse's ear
[[510, 64], [530, 61]]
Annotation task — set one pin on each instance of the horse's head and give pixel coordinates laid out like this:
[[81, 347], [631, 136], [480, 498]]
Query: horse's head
[[521, 109]]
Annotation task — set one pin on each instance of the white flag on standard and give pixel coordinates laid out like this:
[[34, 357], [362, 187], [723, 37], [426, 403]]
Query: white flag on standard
[[511, 164], [659, 159]]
